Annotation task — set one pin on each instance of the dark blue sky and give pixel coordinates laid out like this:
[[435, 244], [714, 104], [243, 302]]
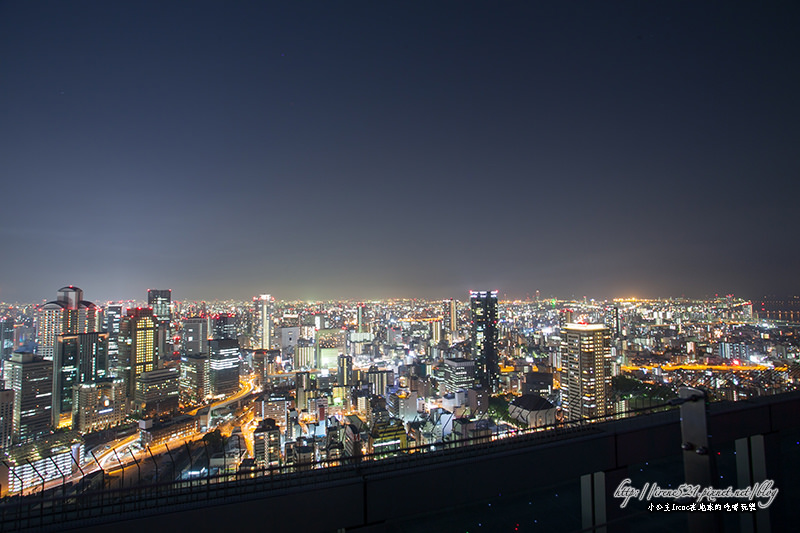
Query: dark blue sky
[[373, 149]]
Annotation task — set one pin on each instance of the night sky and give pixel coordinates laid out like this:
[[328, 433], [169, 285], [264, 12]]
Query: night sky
[[347, 149]]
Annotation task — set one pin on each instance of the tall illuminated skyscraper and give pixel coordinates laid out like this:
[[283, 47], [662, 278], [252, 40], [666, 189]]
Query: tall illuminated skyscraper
[[362, 324], [113, 314], [223, 358], [79, 358], [586, 371], [68, 313], [483, 328], [450, 318], [6, 338], [138, 348], [160, 300], [31, 378], [264, 307]]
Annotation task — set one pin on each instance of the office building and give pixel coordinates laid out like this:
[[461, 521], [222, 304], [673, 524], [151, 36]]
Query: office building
[[6, 339], [157, 432], [157, 392], [483, 329], [98, 405], [303, 385], [450, 318], [586, 373], [160, 301], [68, 313], [194, 381], [264, 307], [459, 373], [6, 420], [194, 337], [362, 323], [224, 326], [78, 358], [289, 337], [435, 332], [138, 349], [30, 376], [45, 459], [113, 316], [223, 364], [344, 374], [379, 380]]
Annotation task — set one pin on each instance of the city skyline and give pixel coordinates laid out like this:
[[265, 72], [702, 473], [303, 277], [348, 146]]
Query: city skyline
[[364, 151]]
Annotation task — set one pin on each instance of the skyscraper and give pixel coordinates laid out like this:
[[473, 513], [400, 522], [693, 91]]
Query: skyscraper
[[113, 316], [450, 319], [194, 382], [68, 313], [362, 324], [483, 328], [79, 358], [6, 419], [31, 378], [223, 363], [224, 326], [138, 350], [160, 301], [195, 336], [6, 338], [345, 370], [264, 307], [586, 374]]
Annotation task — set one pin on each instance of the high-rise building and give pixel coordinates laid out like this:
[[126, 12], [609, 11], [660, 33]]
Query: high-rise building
[[362, 324], [31, 378], [483, 325], [264, 307], [157, 392], [78, 358], [303, 385], [611, 320], [225, 326], [194, 382], [68, 313], [6, 419], [379, 380], [138, 349], [450, 318], [195, 336], [98, 405], [586, 375], [6, 338], [114, 314], [436, 332], [344, 370], [160, 301], [267, 443], [223, 363], [459, 373]]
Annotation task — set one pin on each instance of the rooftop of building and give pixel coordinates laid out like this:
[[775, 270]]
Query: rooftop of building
[[532, 402]]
